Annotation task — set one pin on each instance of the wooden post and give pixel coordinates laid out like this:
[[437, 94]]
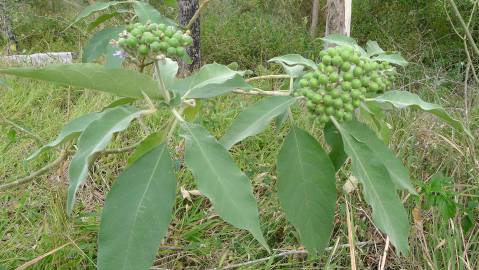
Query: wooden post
[[338, 17], [314, 18], [187, 9]]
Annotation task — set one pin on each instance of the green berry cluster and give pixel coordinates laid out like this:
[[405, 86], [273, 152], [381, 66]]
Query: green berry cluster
[[152, 39], [342, 81]]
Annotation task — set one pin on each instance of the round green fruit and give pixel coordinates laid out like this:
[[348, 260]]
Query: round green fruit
[[171, 51], [143, 50], [131, 42], [335, 93], [348, 116], [303, 83], [164, 46], [328, 100], [358, 72], [329, 111], [348, 76], [332, 52], [338, 103], [356, 84], [326, 60], [337, 60], [323, 119], [348, 107], [317, 98], [173, 42], [155, 46], [346, 86], [333, 77], [356, 103], [323, 79], [345, 67], [330, 69]]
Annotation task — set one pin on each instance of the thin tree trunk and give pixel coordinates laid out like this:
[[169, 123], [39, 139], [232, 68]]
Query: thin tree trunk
[[187, 9], [7, 31], [338, 17], [314, 18]]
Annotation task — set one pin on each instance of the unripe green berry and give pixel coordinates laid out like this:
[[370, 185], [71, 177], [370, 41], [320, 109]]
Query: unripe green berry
[[122, 42], [323, 119], [164, 46], [313, 82], [373, 87], [131, 42], [330, 69], [355, 93], [136, 32], [317, 98], [328, 100], [143, 50], [339, 114], [346, 86], [171, 51], [358, 72], [322, 79], [173, 42], [326, 60], [323, 53], [348, 76], [335, 93], [320, 108], [356, 103], [337, 60], [334, 77], [345, 67], [338, 103], [356, 84], [332, 52], [303, 83], [310, 105], [181, 52], [348, 107], [155, 46], [329, 111], [355, 59], [346, 97]]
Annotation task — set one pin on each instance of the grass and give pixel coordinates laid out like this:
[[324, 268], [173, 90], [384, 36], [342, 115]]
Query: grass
[[33, 220]]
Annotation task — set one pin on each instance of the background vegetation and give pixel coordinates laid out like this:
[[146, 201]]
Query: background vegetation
[[445, 165]]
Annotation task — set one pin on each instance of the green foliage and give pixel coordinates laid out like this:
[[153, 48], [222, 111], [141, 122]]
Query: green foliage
[[70, 131], [333, 138], [403, 99], [221, 180], [211, 80], [149, 143], [121, 82], [307, 188], [99, 44], [378, 189], [94, 139], [137, 212], [255, 119]]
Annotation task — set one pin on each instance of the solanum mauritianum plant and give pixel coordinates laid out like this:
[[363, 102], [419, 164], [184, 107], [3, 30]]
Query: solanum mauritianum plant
[[349, 83]]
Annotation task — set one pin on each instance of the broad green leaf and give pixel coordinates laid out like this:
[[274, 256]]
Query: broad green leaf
[[333, 138], [212, 80], [379, 191], [119, 102], [280, 120], [98, 6], [307, 188], [122, 82], [294, 60], [93, 140], [150, 142], [147, 13], [372, 48], [137, 212], [255, 119], [112, 60], [218, 178], [99, 44], [341, 40], [168, 71], [70, 131], [101, 19], [403, 99], [393, 58], [372, 112], [398, 173]]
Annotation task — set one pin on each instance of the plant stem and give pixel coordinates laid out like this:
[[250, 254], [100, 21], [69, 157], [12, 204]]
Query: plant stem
[[268, 77], [35, 174], [259, 92], [466, 29]]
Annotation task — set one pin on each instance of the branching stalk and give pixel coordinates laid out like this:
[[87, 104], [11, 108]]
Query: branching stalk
[[463, 24]]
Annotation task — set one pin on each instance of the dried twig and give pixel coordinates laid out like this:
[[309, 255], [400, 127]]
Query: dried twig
[[266, 77], [385, 254], [197, 14], [259, 92], [466, 29], [352, 253], [39, 258]]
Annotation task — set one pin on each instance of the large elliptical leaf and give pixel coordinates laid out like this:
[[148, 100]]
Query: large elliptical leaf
[[99, 44], [147, 13], [70, 131], [93, 140], [403, 99], [137, 212], [121, 82], [398, 173], [255, 119], [218, 178], [212, 80], [393, 58], [379, 190], [343, 40], [307, 189]]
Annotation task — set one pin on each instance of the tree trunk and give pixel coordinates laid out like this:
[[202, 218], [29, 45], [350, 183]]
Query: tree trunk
[[7, 31], [338, 17], [187, 9], [314, 18]]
